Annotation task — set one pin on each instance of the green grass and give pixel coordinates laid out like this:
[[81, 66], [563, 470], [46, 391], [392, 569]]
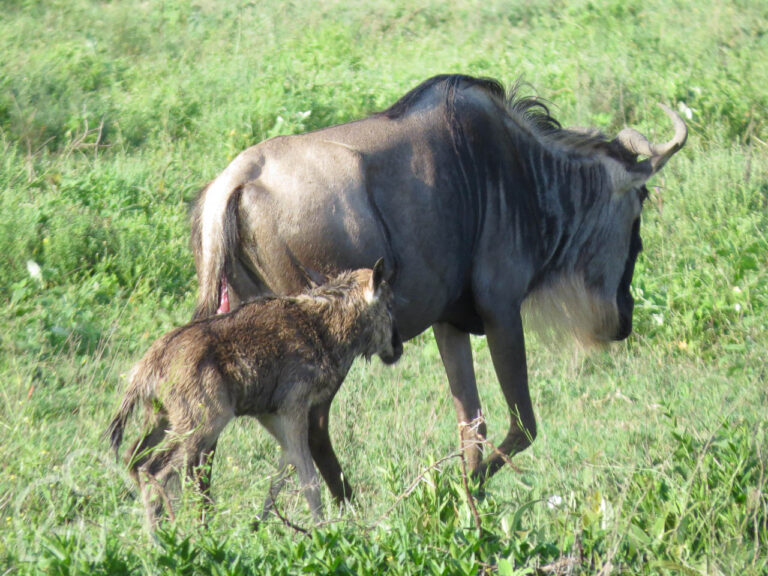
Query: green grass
[[651, 456]]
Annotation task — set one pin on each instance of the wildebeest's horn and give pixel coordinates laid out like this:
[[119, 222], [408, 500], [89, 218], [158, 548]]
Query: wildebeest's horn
[[658, 154]]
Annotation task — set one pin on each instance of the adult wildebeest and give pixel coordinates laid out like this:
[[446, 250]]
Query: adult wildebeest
[[272, 358], [480, 201]]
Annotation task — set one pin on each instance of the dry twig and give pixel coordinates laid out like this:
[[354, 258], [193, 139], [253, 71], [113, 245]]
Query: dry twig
[[295, 527], [470, 498], [163, 495]]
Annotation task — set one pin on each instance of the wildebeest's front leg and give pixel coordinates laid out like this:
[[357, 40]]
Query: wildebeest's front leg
[[324, 455], [456, 353], [506, 343]]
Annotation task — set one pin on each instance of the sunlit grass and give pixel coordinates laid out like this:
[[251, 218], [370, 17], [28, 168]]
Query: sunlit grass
[[651, 456]]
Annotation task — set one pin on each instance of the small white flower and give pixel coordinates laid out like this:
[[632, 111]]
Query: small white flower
[[35, 272], [737, 307], [658, 319], [736, 290], [685, 111], [505, 525], [554, 501]]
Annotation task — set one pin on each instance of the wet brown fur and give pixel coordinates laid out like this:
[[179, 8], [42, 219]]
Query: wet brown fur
[[273, 358]]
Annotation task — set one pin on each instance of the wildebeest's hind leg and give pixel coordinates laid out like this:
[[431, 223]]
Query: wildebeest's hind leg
[[506, 344], [323, 454], [456, 353]]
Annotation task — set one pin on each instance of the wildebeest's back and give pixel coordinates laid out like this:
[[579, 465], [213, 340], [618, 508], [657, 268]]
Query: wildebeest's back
[[377, 187]]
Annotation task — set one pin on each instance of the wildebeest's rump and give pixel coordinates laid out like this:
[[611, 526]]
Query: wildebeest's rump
[[479, 200], [273, 358]]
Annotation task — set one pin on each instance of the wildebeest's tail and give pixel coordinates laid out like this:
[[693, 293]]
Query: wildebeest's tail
[[214, 238]]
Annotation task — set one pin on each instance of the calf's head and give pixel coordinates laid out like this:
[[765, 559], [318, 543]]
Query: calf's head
[[385, 340]]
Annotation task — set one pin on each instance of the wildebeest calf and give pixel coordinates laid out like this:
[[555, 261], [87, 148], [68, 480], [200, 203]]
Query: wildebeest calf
[[273, 358]]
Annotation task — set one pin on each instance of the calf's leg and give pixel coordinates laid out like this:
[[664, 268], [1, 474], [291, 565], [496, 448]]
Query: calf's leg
[[143, 448], [297, 452], [159, 475], [188, 443], [203, 472], [324, 455], [155, 476], [275, 486], [290, 430]]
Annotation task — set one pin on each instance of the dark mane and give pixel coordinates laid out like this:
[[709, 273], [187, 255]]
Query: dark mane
[[448, 83], [531, 111]]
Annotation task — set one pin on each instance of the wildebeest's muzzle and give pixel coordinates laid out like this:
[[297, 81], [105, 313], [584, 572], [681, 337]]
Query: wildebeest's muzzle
[[624, 301]]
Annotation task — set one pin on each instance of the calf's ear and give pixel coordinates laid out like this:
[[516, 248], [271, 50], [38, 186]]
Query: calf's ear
[[377, 277]]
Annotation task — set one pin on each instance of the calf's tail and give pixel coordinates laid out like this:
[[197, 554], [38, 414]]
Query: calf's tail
[[136, 391]]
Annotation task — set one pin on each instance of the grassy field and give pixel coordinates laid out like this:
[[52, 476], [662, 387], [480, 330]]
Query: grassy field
[[652, 456]]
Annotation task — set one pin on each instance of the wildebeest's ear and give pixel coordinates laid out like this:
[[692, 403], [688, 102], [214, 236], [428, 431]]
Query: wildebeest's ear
[[636, 144], [624, 179]]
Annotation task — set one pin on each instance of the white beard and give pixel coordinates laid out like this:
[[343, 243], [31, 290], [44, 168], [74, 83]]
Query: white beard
[[567, 310]]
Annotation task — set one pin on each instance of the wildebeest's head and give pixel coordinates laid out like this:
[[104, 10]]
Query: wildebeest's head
[[628, 194], [385, 338], [592, 296]]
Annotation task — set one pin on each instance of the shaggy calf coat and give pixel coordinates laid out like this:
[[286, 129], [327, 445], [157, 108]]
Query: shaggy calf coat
[[272, 358]]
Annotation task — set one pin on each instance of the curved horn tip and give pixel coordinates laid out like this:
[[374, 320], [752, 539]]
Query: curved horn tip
[[681, 129]]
